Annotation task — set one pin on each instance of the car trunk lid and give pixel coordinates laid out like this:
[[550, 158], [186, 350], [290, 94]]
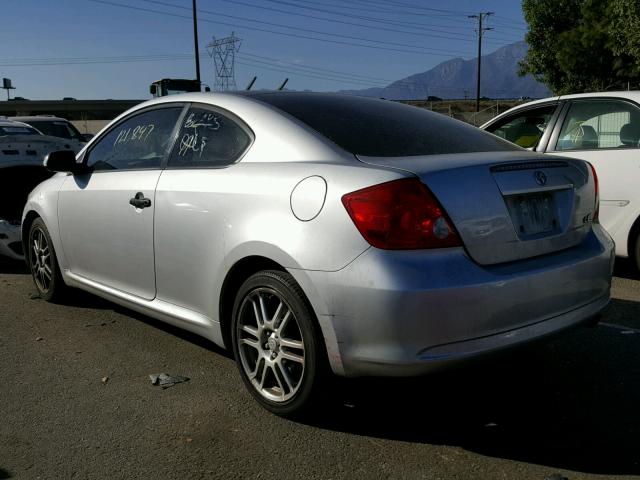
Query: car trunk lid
[[507, 206]]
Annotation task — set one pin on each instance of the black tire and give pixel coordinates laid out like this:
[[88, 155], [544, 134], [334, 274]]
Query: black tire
[[635, 255], [44, 263], [269, 345]]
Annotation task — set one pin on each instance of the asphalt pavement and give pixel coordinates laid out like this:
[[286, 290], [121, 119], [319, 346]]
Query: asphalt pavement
[[76, 401]]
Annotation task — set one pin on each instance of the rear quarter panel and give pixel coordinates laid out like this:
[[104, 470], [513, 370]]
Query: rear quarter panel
[[209, 219]]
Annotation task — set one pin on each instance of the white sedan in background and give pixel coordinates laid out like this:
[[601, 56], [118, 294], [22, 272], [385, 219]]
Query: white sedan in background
[[601, 128]]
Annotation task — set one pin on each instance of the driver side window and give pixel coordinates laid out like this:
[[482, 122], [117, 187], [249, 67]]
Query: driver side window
[[524, 128], [140, 142]]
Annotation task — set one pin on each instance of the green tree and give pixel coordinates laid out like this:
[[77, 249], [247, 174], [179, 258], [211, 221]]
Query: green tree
[[583, 45], [625, 28]]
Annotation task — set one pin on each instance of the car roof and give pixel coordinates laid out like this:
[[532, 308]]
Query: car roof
[[5, 122], [250, 94], [31, 118], [625, 94], [630, 94]]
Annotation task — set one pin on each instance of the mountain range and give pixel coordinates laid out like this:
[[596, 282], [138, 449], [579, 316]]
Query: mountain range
[[456, 78]]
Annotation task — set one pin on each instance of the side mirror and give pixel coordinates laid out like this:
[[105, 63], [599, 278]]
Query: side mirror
[[152, 89], [62, 161], [87, 136]]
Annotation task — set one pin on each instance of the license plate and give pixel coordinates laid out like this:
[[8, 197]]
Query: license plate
[[532, 214]]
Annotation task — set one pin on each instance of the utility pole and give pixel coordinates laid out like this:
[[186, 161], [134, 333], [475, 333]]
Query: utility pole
[[195, 41], [481, 30]]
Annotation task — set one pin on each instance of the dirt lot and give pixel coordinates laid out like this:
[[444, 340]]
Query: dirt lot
[[77, 402]]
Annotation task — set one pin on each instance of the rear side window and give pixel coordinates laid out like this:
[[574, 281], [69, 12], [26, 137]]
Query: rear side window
[[140, 142], [19, 130], [208, 138], [381, 128], [57, 128]]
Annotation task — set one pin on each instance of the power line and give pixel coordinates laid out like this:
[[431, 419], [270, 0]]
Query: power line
[[332, 75], [218, 14], [420, 7], [423, 51], [302, 66], [360, 17]]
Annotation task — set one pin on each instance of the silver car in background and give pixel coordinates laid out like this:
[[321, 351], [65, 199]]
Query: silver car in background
[[316, 233]]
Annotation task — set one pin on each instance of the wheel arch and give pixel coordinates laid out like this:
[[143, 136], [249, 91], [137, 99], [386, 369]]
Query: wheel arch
[[634, 233], [236, 276], [26, 226]]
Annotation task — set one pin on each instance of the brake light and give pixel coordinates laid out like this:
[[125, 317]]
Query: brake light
[[400, 215], [596, 212]]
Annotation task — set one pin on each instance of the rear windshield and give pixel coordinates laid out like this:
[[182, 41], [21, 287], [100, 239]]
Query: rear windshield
[[57, 129], [382, 128], [17, 130]]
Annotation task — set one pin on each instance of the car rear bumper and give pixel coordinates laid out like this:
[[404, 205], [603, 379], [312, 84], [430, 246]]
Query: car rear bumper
[[402, 313], [10, 240]]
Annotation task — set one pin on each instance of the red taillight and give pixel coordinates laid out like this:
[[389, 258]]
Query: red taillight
[[596, 213], [402, 214]]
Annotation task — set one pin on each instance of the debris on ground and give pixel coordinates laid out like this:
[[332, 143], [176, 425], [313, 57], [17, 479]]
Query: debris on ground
[[165, 380], [34, 296], [104, 379], [103, 324], [39, 339]]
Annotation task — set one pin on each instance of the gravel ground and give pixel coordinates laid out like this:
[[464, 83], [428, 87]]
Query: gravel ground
[[76, 402]]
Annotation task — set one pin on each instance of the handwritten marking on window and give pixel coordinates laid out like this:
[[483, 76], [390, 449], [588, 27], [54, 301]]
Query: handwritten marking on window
[[192, 142], [192, 139], [208, 120], [137, 133]]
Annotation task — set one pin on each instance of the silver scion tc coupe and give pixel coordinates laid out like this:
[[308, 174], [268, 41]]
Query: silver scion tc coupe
[[317, 233]]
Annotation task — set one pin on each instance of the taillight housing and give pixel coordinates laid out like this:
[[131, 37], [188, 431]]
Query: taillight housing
[[596, 212], [401, 215]]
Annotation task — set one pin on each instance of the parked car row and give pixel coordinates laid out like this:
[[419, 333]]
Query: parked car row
[[22, 152], [319, 234]]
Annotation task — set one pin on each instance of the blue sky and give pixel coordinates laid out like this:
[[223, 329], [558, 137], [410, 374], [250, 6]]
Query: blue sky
[[98, 49]]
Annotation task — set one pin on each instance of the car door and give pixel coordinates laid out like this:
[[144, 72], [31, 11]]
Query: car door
[[194, 196], [106, 215], [606, 133], [528, 127]]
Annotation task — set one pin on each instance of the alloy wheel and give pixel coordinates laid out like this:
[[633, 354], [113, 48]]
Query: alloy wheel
[[41, 262], [270, 345]]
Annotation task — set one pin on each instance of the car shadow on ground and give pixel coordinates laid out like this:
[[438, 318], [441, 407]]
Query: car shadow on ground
[[569, 403], [624, 268], [10, 266], [80, 299], [175, 331]]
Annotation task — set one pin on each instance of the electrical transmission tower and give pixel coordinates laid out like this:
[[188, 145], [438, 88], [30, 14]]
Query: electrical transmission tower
[[223, 51], [481, 16]]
